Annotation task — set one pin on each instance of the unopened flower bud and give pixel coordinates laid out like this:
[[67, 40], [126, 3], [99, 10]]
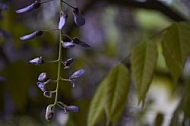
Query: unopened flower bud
[[77, 74], [79, 42], [37, 61], [68, 45], [32, 35], [49, 112], [78, 18], [62, 21], [72, 108], [43, 77], [49, 116], [42, 86], [29, 8]]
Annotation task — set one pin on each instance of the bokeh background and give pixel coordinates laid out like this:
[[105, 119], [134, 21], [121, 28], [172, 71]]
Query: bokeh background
[[112, 29]]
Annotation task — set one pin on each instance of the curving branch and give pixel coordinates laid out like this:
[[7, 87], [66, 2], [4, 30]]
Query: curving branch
[[152, 5], [148, 4]]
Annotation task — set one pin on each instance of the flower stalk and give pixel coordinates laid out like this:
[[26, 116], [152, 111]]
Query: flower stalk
[[59, 60], [43, 78]]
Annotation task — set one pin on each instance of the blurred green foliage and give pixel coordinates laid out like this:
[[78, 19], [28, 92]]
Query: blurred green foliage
[[136, 69]]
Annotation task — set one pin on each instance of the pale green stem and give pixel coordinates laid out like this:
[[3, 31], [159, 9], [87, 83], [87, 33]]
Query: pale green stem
[[52, 61], [63, 79], [59, 60]]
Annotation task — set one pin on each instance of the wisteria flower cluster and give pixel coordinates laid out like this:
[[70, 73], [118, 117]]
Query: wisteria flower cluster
[[43, 78]]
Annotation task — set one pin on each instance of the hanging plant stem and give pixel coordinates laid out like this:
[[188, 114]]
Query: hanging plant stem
[[59, 60]]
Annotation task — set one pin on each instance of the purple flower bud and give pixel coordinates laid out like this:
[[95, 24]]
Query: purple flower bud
[[68, 44], [49, 116], [29, 8], [83, 44], [77, 74], [62, 21], [37, 61], [49, 112], [72, 108], [32, 35], [78, 18], [42, 86], [3, 7], [43, 77], [79, 42]]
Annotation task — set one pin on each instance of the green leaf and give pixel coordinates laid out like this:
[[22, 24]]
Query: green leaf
[[176, 48], [96, 110], [118, 83], [111, 96], [143, 63]]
